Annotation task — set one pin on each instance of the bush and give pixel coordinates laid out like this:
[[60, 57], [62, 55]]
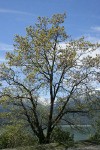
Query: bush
[[95, 138], [63, 137], [15, 136]]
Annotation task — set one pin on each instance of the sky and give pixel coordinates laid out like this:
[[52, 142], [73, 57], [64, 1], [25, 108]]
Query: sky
[[83, 18]]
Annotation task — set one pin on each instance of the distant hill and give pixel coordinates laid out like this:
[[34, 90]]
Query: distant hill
[[83, 118]]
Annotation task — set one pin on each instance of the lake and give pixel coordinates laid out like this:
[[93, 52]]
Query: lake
[[82, 133]]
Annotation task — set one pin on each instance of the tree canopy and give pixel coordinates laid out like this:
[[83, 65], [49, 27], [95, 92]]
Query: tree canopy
[[40, 66]]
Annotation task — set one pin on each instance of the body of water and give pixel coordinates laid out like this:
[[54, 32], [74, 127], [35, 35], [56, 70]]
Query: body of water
[[81, 132]]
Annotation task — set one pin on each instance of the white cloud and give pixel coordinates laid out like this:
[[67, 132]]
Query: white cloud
[[93, 54], [98, 89], [2, 60], [62, 45], [44, 101], [14, 12], [96, 28], [6, 47], [93, 39]]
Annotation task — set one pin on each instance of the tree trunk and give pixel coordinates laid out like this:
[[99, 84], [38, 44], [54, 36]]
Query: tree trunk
[[44, 140]]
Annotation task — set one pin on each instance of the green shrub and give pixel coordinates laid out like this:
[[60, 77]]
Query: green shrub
[[15, 136], [95, 138], [63, 137]]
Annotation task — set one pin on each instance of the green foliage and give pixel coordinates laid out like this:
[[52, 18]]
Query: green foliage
[[14, 136], [41, 65], [96, 137], [63, 137], [98, 126]]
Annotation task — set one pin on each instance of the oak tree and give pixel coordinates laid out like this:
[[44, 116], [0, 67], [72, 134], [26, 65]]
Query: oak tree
[[48, 65]]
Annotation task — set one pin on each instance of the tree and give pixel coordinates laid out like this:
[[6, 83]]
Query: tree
[[40, 66]]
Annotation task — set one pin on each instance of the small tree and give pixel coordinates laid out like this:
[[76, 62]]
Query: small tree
[[41, 66]]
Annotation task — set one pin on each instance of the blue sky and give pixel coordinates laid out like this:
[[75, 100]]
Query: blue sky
[[83, 18]]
